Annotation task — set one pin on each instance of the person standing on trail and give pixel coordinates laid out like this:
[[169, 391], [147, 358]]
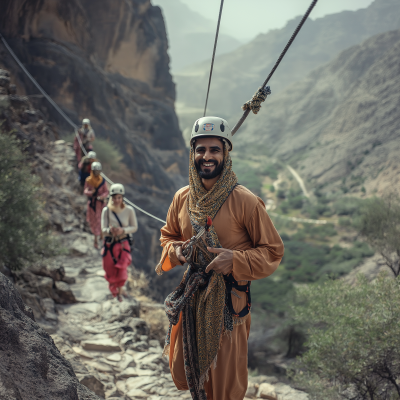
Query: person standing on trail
[[87, 136], [118, 222], [97, 192], [85, 166], [209, 312]]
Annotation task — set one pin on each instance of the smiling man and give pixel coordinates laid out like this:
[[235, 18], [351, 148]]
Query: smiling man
[[209, 312]]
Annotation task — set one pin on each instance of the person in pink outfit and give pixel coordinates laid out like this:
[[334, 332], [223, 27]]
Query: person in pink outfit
[[97, 191], [87, 136], [118, 221]]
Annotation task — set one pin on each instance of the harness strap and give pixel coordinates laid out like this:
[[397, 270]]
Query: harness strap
[[231, 283]]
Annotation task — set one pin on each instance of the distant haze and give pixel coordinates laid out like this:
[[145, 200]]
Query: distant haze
[[246, 19]]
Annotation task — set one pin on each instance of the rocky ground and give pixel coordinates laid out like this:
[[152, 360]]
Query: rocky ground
[[115, 348]]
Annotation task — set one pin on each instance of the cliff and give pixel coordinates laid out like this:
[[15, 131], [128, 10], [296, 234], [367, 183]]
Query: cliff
[[107, 61], [237, 75], [340, 125]]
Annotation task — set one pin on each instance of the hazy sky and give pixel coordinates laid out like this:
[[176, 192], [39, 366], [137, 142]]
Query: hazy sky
[[245, 19]]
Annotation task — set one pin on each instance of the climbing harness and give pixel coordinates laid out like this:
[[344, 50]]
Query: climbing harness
[[231, 283], [255, 103], [70, 122]]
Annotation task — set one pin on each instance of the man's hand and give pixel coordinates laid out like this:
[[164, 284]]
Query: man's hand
[[223, 263], [179, 254]]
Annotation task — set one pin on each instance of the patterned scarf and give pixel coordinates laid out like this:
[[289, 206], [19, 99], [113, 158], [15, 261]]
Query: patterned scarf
[[201, 297]]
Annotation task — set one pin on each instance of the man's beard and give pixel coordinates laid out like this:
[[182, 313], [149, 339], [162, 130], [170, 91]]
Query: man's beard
[[209, 175]]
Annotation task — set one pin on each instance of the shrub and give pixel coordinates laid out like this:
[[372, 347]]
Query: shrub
[[22, 228], [108, 154], [347, 205], [270, 170], [379, 224], [353, 346]]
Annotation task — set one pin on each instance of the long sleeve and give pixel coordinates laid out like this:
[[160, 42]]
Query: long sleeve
[[87, 190], [170, 238], [104, 221], [267, 252], [132, 224]]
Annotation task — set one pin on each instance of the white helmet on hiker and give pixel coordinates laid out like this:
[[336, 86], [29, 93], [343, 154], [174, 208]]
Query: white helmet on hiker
[[86, 121], [212, 126], [91, 154], [96, 166], [117, 188]]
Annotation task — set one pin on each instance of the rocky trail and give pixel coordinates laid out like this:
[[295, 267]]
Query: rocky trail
[[62, 335]]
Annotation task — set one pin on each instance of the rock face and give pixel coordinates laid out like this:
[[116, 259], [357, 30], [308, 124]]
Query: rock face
[[340, 125], [31, 367], [107, 60], [238, 75]]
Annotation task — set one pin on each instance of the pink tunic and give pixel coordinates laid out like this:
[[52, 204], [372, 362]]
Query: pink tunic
[[92, 216]]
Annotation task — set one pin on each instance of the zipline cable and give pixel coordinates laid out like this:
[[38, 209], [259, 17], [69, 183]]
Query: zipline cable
[[213, 56], [65, 116], [291, 40]]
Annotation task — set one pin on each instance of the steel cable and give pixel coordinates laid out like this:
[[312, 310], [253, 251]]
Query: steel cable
[[291, 40], [213, 56]]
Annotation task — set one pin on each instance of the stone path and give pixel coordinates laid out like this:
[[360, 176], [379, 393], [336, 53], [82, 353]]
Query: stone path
[[111, 348]]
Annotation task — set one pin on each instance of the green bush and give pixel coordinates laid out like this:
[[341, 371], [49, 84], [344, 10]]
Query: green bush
[[108, 154], [353, 346], [270, 170], [23, 232], [379, 224], [347, 205]]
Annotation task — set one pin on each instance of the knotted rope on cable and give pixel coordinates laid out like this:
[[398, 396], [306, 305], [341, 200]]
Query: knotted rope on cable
[[259, 97]]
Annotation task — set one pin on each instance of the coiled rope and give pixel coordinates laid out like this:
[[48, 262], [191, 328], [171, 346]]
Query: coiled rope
[[70, 122], [263, 86]]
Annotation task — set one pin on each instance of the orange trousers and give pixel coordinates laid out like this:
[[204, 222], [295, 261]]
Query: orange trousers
[[228, 381]]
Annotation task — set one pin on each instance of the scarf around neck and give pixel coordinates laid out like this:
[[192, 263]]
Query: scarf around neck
[[93, 180]]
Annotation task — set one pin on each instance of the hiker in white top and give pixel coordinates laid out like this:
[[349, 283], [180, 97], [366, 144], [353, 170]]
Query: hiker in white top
[[118, 221]]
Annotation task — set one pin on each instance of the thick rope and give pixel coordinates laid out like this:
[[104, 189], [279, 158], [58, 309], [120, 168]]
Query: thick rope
[[291, 40], [213, 56], [65, 116]]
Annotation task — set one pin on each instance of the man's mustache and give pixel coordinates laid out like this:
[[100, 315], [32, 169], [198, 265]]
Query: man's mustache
[[201, 162]]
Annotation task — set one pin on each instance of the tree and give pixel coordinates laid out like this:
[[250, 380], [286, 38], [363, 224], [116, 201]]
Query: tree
[[23, 232], [379, 225], [353, 339]]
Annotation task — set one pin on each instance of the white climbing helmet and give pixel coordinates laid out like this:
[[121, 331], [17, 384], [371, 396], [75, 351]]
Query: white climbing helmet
[[96, 166], [91, 154], [86, 121], [211, 126], [117, 188]]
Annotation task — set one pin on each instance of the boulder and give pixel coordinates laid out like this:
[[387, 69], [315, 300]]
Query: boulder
[[267, 391], [64, 293], [100, 344], [31, 366], [92, 383], [78, 248], [136, 394]]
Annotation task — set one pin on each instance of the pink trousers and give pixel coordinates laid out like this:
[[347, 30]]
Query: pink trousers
[[116, 273]]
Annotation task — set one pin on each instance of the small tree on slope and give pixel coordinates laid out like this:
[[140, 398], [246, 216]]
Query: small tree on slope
[[353, 339], [379, 225], [22, 227]]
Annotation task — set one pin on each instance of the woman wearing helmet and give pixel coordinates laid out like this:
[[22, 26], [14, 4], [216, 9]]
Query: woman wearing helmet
[[97, 192], [118, 221], [85, 167], [87, 136]]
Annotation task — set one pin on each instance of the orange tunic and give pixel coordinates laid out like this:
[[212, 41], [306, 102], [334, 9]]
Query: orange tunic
[[243, 225]]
